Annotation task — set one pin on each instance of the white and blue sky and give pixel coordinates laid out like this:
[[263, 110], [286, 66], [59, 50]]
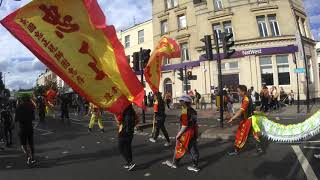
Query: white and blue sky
[[24, 67]]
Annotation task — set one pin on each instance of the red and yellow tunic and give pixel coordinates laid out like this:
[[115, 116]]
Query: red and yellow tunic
[[245, 124], [155, 106], [183, 142]]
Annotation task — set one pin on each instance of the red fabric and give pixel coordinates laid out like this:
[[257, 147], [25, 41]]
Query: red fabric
[[155, 107], [183, 143], [32, 45], [242, 133], [184, 120], [245, 104]]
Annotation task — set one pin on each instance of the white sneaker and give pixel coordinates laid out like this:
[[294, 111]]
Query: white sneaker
[[193, 168], [317, 156], [131, 167], [170, 164], [152, 140], [167, 144]]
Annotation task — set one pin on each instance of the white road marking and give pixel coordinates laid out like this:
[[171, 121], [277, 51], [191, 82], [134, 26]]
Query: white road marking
[[304, 163], [310, 142], [311, 147]]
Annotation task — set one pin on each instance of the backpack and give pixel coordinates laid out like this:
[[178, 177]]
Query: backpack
[[198, 95]]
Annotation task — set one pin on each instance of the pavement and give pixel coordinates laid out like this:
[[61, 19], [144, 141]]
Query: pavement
[[70, 152]]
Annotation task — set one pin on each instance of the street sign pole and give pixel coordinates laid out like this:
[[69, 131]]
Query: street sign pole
[[185, 80], [298, 87], [219, 77]]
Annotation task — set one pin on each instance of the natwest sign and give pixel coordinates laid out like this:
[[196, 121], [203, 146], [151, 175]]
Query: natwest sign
[[251, 52]]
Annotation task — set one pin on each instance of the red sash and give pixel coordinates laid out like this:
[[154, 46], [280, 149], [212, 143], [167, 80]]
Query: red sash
[[242, 133]]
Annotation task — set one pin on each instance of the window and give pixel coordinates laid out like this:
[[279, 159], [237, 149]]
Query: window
[[319, 68], [262, 26], [228, 28], [223, 66], [233, 65], [184, 52], [140, 36], [217, 5], [171, 4], [198, 1], [166, 61], [274, 25], [182, 22], [218, 30], [266, 71], [283, 69], [127, 41], [164, 27]]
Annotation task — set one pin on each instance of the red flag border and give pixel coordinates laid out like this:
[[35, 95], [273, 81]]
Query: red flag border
[[33, 46]]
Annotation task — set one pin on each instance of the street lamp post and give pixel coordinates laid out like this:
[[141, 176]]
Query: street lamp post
[[4, 78]]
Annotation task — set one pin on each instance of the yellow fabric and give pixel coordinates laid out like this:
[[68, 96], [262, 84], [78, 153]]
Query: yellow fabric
[[103, 92], [94, 119], [255, 124]]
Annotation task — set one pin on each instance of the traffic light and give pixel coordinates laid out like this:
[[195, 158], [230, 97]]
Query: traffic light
[[208, 47], [135, 61], [227, 44], [145, 56], [180, 74], [189, 75]]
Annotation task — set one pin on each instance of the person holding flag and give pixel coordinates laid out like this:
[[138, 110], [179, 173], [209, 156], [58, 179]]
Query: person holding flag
[[159, 117], [96, 116], [126, 123], [186, 139]]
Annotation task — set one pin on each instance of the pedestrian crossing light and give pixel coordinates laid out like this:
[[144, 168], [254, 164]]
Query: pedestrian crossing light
[[228, 43], [180, 74], [208, 47], [145, 56], [189, 75], [135, 61]]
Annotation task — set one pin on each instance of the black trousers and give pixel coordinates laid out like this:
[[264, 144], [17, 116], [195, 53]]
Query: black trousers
[[168, 101], [161, 126], [8, 135], [26, 138], [193, 151], [42, 115], [264, 104], [125, 148]]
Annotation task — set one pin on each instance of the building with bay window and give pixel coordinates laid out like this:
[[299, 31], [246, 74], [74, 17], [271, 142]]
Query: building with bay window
[[267, 42]]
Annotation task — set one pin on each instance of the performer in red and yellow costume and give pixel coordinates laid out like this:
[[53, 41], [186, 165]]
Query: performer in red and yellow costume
[[96, 116], [186, 139], [245, 126]]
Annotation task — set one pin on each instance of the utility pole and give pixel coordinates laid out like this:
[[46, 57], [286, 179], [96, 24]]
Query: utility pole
[[304, 56], [185, 80], [219, 77], [141, 65], [298, 86]]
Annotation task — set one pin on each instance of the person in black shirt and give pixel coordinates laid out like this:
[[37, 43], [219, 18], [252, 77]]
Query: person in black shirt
[[41, 108], [65, 108], [7, 122], [126, 122], [160, 118], [24, 115]]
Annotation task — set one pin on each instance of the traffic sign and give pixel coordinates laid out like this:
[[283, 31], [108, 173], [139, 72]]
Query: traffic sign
[[300, 70]]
